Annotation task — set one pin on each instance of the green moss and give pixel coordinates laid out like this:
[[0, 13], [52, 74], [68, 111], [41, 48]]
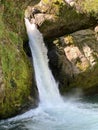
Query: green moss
[[89, 6], [1, 28], [17, 75], [17, 70], [1, 22], [64, 18], [14, 15], [45, 1], [90, 76], [51, 1]]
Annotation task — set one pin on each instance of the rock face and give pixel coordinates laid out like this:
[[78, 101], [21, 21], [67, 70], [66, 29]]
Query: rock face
[[74, 61], [55, 18], [16, 74]]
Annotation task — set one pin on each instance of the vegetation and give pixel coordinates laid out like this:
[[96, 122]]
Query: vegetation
[[90, 7], [16, 67]]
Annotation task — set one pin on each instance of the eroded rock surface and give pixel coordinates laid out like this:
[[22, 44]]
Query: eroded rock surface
[[76, 65], [55, 18]]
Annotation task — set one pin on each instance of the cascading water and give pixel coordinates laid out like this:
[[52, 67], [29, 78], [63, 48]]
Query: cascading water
[[52, 113], [47, 87]]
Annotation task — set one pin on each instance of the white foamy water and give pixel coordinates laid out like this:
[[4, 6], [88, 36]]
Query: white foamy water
[[52, 113], [47, 87], [70, 116]]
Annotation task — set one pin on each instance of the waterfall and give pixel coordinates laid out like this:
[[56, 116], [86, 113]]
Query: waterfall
[[47, 86], [52, 113]]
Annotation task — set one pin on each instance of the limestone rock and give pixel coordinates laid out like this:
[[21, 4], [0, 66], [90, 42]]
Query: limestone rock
[[55, 18], [77, 65]]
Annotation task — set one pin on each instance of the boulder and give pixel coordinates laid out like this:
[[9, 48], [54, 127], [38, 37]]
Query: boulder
[[17, 85], [74, 61], [55, 18]]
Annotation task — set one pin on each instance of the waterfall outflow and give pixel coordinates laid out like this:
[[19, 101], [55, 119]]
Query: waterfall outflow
[[47, 86]]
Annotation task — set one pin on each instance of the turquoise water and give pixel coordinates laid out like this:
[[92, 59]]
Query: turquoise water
[[72, 115]]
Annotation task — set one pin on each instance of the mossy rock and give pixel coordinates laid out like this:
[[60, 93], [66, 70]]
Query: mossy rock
[[88, 6], [74, 61], [13, 15], [56, 18], [15, 67]]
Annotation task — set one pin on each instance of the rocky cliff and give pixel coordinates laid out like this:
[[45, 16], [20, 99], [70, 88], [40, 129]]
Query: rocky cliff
[[16, 74]]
